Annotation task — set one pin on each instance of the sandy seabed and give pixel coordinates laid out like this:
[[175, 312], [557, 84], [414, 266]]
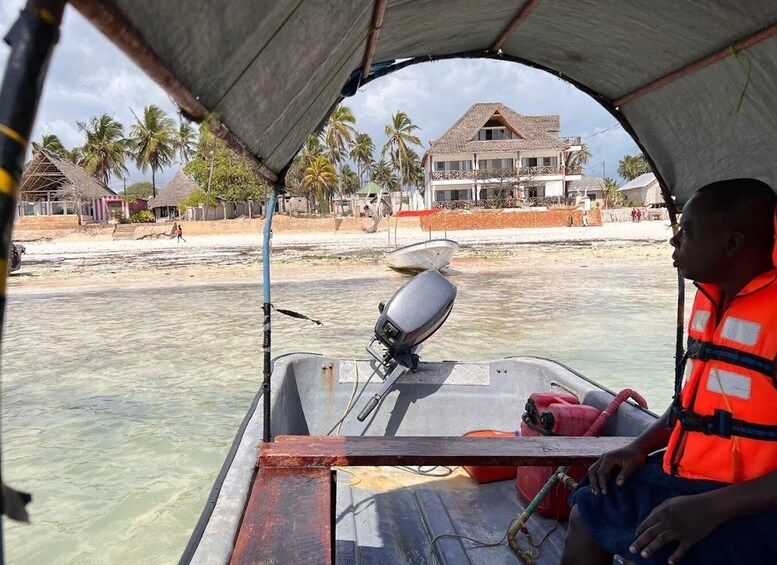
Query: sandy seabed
[[82, 263]]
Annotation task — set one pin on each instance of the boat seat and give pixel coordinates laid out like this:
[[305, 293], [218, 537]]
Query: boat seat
[[295, 482]]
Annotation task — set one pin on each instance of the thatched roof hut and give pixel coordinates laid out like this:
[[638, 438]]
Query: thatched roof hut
[[175, 192], [47, 175]]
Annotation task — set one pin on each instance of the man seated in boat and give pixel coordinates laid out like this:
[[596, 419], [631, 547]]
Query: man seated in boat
[[711, 495]]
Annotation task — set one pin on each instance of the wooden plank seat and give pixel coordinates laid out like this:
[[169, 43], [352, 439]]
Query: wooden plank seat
[[289, 515], [365, 451]]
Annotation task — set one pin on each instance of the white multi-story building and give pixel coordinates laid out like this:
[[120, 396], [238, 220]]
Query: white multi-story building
[[493, 156]]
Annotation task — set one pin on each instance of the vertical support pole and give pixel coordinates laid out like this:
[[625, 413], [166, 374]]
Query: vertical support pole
[[32, 39], [267, 306]]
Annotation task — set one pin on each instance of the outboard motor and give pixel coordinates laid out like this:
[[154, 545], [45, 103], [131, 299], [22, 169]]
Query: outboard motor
[[412, 315]]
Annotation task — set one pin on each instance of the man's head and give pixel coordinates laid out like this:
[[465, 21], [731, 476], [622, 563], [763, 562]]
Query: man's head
[[727, 232]]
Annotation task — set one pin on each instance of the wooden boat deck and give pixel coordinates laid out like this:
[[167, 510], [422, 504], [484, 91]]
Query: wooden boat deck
[[393, 513]]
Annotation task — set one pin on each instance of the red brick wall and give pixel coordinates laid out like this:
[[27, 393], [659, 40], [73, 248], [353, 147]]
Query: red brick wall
[[496, 219]]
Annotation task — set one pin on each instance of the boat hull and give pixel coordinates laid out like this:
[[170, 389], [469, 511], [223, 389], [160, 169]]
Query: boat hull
[[434, 254], [311, 392]]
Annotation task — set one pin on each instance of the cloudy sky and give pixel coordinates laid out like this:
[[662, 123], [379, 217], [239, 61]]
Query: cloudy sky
[[88, 76]]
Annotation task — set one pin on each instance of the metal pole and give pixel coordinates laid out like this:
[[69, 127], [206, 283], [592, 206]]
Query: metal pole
[[32, 39], [266, 398]]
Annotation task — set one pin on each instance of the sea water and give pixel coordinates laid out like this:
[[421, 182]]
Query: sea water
[[119, 407]]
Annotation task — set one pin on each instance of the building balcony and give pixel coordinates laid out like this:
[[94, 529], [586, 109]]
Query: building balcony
[[497, 204], [522, 173], [572, 140]]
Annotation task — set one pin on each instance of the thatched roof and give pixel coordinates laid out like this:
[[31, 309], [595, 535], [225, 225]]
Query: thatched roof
[[48, 173], [535, 132], [175, 192]]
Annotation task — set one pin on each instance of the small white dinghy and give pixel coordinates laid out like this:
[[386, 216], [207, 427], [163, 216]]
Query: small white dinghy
[[433, 254]]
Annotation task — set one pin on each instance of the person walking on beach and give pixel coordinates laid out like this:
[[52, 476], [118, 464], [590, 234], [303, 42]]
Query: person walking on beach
[[179, 233], [585, 219], [699, 486]]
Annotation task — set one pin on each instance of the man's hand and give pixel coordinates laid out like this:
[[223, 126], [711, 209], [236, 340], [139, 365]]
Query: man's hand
[[686, 519], [628, 459]]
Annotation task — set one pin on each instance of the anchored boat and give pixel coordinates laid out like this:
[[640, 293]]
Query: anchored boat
[[432, 254]]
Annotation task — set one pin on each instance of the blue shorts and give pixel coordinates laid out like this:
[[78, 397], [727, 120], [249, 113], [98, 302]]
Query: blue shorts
[[612, 520]]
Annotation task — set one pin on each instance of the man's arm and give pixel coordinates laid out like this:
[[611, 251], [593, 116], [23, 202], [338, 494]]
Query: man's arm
[[630, 458]]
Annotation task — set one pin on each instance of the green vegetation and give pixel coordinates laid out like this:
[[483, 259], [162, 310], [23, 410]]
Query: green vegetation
[[142, 190], [631, 166]]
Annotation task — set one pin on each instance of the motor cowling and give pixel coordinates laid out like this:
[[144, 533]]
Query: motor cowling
[[415, 312]]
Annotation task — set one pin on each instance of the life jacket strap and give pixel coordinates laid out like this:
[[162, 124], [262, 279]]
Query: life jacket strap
[[705, 350], [722, 424]]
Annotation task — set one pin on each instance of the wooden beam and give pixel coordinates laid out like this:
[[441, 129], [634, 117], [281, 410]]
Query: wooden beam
[[527, 9], [107, 18], [316, 451], [288, 518], [372, 42], [697, 65]]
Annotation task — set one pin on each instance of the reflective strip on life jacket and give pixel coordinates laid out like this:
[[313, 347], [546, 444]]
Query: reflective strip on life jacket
[[705, 350]]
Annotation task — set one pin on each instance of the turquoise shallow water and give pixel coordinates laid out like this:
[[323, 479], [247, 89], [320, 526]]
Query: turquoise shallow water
[[119, 407]]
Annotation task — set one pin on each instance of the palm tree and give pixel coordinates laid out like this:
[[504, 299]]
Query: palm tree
[[580, 158], [51, 143], [105, 150], [185, 141], [349, 180], [320, 177], [612, 196], [362, 153], [75, 155], [631, 166], [338, 136], [153, 141], [382, 174], [400, 137]]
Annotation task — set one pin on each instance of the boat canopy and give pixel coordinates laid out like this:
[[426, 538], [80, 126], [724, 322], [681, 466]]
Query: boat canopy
[[695, 83]]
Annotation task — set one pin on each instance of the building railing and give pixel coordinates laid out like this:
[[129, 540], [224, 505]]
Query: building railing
[[500, 203], [573, 140], [507, 173]]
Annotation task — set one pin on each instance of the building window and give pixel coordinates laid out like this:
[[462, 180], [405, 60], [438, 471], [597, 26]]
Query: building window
[[529, 162]]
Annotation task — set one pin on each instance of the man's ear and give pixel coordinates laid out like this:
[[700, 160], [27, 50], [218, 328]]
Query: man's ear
[[735, 243]]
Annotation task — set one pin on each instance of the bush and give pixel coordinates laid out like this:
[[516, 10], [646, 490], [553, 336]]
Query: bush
[[119, 216], [142, 217]]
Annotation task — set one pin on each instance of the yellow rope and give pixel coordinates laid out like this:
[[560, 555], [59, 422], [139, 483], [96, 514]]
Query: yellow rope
[[13, 134], [8, 183]]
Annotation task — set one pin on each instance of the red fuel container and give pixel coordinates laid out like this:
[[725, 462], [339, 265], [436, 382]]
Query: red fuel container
[[552, 414], [490, 474]]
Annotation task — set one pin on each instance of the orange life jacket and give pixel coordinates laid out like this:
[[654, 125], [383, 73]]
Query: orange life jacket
[[725, 419]]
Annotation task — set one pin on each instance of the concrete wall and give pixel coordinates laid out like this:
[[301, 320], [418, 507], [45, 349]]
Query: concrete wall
[[495, 219]]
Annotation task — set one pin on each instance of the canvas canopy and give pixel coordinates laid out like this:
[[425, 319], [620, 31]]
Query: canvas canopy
[[695, 82]]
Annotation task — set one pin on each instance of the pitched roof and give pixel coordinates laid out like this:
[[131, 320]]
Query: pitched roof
[[537, 132], [642, 181], [176, 190], [47, 172], [369, 188], [584, 184]]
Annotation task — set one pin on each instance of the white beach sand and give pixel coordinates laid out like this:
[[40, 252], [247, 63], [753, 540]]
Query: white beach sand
[[85, 262]]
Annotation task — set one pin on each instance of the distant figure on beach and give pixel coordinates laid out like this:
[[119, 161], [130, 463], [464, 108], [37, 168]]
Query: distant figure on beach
[[179, 233], [585, 219], [639, 214], [633, 214]]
